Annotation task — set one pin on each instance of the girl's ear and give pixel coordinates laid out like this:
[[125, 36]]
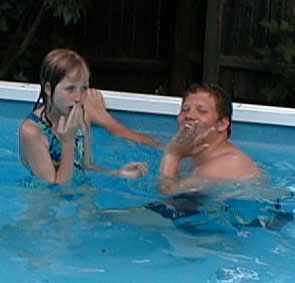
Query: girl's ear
[[47, 89], [222, 125]]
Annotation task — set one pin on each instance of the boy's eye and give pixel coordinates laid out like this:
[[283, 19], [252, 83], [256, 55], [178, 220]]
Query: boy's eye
[[184, 108]]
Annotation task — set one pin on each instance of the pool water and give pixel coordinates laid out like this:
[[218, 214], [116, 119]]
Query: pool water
[[123, 230]]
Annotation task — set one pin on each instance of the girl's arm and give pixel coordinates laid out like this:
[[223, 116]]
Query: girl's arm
[[35, 148], [35, 154], [95, 108], [129, 170]]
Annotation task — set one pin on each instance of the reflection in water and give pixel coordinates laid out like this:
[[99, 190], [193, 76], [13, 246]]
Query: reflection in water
[[231, 233], [226, 224], [46, 225]]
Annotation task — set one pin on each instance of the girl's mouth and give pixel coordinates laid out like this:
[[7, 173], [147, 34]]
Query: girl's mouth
[[71, 108]]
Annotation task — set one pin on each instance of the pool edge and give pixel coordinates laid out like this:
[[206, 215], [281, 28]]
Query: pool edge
[[156, 104]]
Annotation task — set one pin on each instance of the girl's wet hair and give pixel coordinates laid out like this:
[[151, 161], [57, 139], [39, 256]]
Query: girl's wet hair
[[55, 66], [222, 100]]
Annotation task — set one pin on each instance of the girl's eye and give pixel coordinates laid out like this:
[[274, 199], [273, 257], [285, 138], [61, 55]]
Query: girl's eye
[[70, 88], [73, 88], [84, 88]]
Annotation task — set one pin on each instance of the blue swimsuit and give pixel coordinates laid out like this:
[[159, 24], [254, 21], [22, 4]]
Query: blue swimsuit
[[55, 146]]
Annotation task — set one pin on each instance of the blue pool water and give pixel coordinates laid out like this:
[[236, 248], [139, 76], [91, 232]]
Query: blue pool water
[[111, 235]]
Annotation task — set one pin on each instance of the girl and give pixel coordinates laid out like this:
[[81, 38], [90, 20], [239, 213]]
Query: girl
[[54, 138]]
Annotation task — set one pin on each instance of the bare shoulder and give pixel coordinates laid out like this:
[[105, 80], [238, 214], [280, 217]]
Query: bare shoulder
[[240, 161], [30, 130], [31, 139], [231, 164], [31, 136]]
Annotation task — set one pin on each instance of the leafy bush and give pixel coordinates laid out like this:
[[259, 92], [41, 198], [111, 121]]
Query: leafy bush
[[280, 58], [20, 22]]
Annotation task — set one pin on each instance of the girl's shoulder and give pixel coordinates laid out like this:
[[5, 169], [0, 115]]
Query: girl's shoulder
[[30, 129], [30, 125]]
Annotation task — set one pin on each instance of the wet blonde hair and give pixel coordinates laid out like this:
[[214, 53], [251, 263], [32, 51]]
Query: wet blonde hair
[[55, 66]]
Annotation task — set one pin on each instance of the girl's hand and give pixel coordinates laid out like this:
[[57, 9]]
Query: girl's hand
[[95, 107], [67, 129], [133, 169]]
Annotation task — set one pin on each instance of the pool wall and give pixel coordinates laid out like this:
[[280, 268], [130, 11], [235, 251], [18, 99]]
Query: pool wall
[[156, 104], [252, 123]]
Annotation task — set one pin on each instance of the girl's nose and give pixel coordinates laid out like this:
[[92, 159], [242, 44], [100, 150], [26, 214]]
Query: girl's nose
[[78, 95]]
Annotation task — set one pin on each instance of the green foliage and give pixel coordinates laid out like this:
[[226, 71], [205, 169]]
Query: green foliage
[[70, 11], [286, 50], [20, 23], [280, 59], [13, 10], [10, 11]]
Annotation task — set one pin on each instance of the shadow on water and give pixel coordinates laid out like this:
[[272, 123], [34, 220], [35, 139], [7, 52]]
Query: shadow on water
[[92, 232], [70, 229]]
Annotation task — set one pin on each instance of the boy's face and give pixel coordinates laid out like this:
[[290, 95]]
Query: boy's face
[[198, 108]]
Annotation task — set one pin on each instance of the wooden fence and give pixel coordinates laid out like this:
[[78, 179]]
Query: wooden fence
[[130, 43], [162, 46], [233, 35]]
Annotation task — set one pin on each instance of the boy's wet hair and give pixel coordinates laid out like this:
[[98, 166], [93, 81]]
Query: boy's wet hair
[[55, 66], [222, 100]]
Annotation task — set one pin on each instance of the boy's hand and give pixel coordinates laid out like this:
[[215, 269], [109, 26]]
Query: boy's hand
[[190, 140]]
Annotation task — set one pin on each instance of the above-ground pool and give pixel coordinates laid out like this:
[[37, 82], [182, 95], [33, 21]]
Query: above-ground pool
[[122, 230]]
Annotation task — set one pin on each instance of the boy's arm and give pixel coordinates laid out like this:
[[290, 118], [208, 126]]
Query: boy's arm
[[188, 142]]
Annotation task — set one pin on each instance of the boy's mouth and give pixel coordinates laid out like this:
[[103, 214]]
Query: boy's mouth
[[190, 124], [187, 125]]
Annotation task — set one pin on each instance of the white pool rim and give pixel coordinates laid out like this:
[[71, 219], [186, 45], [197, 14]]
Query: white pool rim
[[157, 104]]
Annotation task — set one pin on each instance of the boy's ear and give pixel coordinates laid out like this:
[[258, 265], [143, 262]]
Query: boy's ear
[[222, 125]]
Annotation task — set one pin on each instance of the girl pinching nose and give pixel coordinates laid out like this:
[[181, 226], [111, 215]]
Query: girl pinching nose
[[54, 138]]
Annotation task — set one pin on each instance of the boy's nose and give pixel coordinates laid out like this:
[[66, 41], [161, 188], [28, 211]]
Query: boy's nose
[[191, 115]]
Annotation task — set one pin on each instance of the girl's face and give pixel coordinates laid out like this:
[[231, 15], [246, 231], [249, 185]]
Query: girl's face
[[70, 90]]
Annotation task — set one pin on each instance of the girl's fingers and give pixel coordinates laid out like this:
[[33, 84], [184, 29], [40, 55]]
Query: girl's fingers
[[71, 115], [140, 167], [61, 124], [75, 115]]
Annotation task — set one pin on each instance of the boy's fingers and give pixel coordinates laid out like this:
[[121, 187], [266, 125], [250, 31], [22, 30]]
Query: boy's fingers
[[200, 148], [201, 137]]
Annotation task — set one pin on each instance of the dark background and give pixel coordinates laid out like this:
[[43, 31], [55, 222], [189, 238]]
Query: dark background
[[162, 46]]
